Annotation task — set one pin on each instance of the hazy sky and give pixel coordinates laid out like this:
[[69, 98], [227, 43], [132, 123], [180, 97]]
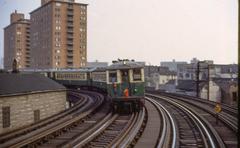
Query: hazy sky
[[152, 30]]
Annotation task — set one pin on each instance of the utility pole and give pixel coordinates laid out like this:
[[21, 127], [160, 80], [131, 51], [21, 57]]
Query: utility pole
[[197, 77], [197, 82], [208, 94], [209, 79]]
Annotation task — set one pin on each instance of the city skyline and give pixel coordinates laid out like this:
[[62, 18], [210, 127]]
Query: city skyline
[[136, 34]]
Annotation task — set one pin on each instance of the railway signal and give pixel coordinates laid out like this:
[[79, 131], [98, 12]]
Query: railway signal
[[217, 109]]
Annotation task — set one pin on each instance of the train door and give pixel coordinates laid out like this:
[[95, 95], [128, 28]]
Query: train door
[[125, 80]]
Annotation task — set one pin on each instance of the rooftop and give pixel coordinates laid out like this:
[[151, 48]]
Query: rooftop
[[16, 84]]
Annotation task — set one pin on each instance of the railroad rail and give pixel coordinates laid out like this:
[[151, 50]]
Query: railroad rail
[[232, 110], [228, 114], [118, 131], [221, 135], [82, 100], [42, 132]]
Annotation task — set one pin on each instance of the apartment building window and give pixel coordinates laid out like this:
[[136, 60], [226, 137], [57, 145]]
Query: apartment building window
[[58, 28], [57, 33], [58, 39], [58, 4], [57, 57], [6, 116], [57, 44], [58, 21], [57, 15], [57, 9]]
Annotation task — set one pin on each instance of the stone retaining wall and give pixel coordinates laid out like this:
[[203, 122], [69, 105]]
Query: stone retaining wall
[[22, 108]]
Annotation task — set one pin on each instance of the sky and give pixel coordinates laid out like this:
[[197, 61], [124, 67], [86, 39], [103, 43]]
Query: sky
[[152, 30]]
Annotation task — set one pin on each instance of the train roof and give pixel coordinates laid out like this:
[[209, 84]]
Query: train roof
[[57, 70], [124, 65], [100, 69]]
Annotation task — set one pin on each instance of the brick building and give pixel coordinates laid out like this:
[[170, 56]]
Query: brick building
[[59, 34], [17, 41], [28, 98]]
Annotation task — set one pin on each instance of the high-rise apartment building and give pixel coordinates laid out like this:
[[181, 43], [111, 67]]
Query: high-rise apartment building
[[59, 34], [17, 42]]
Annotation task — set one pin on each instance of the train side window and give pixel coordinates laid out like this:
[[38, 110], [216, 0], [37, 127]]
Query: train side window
[[136, 74], [112, 77]]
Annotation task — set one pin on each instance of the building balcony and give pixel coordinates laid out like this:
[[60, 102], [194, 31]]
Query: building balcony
[[70, 55], [70, 13], [70, 19], [69, 30], [70, 50], [70, 39], [69, 42], [69, 36], [69, 27], [70, 7], [69, 62], [69, 24], [27, 64]]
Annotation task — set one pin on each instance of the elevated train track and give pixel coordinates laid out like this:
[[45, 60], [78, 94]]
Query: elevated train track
[[166, 120], [201, 129], [45, 130], [171, 122]]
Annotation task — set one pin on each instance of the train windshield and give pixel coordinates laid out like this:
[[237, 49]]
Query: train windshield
[[137, 75], [112, 77]]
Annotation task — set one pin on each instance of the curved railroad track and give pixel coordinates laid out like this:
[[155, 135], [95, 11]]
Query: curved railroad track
[[218, 135], [228, 115], [48, 129], [118, 131]]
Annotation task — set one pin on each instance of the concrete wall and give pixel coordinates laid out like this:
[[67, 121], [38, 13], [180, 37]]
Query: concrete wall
[[22, 108], [228, 95], [163, 79], [233, 88], [215, 92]]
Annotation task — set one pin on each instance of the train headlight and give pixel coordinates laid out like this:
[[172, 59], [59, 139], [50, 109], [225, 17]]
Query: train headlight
[[135, 90]]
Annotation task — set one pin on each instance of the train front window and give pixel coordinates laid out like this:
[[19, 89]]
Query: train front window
[[112, 77], [124, 75], [136, 74]]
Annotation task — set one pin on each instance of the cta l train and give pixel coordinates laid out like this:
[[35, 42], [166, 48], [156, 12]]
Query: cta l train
[[123, 81]]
